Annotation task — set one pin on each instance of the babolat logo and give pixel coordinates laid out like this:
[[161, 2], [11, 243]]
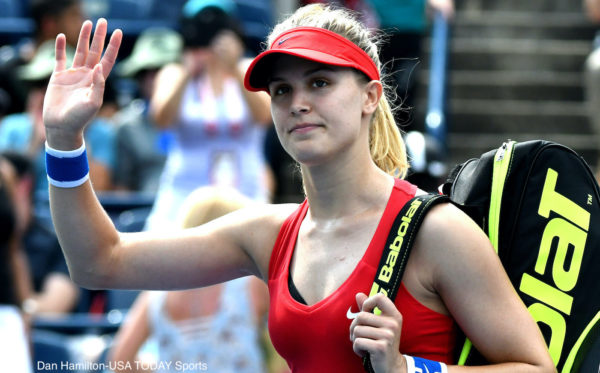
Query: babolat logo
[[381, 283], [567, 232]]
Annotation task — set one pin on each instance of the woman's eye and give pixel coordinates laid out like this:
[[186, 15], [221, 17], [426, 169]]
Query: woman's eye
[[320, 83], [279, 90]]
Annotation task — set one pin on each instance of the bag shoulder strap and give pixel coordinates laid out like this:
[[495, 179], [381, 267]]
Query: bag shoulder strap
[[398, 247]]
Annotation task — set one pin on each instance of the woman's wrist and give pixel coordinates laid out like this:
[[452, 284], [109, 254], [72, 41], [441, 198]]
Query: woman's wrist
[[63, 140]]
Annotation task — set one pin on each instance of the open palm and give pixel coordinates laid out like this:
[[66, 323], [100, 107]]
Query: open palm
[[75, 94]]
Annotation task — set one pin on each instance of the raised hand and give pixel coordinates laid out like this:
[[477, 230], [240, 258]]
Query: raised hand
[[75, 94]]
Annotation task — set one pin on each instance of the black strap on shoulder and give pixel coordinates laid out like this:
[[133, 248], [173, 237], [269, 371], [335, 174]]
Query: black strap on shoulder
[[397, 249]]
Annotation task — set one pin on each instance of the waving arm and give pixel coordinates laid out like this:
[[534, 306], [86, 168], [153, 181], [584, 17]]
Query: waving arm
[[98, 255]]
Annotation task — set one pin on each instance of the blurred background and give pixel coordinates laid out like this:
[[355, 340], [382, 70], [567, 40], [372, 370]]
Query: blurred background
[[469, 74]]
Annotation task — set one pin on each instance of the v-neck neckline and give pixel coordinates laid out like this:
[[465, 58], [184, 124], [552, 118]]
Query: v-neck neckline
[[364, 260]]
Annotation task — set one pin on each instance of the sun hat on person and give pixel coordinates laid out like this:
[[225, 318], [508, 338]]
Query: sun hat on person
[[311, 43], [41, 65], [154, 48]]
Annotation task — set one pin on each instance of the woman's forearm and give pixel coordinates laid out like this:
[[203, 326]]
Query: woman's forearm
[[86, 234], [168, 92]]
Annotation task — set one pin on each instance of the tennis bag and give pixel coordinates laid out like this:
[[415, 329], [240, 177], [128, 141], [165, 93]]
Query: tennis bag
[[538, 202]]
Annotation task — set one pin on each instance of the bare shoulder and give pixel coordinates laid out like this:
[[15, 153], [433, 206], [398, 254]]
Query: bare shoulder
[[448, 222], [256, 228], [449, 240]]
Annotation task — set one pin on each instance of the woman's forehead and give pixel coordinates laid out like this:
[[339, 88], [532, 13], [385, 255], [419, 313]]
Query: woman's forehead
[[285, 64]]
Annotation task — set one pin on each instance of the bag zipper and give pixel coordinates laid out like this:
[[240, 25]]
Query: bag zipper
[[502, 161]]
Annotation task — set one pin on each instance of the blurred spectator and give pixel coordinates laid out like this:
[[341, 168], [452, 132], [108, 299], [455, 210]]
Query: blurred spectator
[[24, 132], [53, 291], [141, 146], [592, 75], [405, 23], [14, 349], [5, 102], [218, 125], [50, 17], [218, 326]]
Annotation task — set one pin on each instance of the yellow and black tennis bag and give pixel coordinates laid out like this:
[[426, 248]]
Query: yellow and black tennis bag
[[538, 201]]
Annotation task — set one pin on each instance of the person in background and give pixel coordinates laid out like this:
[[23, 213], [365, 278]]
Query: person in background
[[218, 126], [405, 23], [50, 17], [591, 79], [141, 146], [318, 258], [15, 355], [24, 132], [49, 290], [218, 325]]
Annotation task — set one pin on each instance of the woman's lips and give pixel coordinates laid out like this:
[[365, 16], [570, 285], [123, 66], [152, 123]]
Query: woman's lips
[[304, 127]]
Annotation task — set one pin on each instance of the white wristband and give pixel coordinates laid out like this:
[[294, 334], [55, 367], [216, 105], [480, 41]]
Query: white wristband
[[410, 364], [420, 365]]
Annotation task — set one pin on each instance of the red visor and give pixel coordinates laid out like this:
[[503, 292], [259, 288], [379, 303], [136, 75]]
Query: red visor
[[312, 43]]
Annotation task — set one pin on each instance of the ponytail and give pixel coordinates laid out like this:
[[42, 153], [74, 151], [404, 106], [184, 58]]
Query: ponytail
[[385, 141]]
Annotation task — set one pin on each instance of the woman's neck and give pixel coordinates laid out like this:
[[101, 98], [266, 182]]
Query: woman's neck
[[346, 190]]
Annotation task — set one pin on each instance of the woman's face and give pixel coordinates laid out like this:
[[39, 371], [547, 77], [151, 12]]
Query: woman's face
[[195, 59], [317, 109]]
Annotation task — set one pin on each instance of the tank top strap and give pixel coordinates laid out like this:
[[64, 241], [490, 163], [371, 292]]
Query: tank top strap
[[286, 239]]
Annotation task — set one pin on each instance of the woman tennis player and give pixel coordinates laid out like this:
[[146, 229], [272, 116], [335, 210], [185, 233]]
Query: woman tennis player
[[318, 258]]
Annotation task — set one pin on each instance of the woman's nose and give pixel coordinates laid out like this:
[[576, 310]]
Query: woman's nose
[[300, 104]]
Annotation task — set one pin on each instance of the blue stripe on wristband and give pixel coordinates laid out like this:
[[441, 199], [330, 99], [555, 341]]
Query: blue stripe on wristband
[[420, 365], [67, 169]]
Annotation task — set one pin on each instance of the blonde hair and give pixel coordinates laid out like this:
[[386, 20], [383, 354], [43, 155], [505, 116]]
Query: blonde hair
[[208, 203], [386, 145]]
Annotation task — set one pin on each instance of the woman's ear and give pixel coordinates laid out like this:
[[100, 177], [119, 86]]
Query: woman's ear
[[372, 95]]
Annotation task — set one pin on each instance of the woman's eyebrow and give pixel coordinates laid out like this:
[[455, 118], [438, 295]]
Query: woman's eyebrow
[[275, 78], [318, 69]]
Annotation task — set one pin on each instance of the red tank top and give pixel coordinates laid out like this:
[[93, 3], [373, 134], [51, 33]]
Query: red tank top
[[316, 338]]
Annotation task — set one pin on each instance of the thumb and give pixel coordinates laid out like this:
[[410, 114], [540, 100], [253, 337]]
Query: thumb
[[360, 300], [97, 87]]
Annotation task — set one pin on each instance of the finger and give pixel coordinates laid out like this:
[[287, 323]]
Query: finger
[[97, 88], [369, 332], [360, 299], [83, 44], [382, 302], [60, 52], [110, 55], [373, 346], [360, 346], [97, 44]]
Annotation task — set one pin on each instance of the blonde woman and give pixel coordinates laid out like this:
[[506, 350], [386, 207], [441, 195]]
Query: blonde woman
[[323, 74]]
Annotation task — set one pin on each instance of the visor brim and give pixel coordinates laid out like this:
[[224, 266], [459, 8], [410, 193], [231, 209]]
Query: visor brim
[[261, 68]]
